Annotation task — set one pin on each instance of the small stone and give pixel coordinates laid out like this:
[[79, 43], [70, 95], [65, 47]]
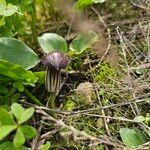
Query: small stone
[[85, 91]]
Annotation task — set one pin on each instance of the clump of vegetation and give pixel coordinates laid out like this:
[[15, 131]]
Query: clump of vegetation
[[10, 124], [65, 92], [105, 73]]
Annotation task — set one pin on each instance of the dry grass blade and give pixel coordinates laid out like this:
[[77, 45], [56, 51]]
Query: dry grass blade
[[76, 132]]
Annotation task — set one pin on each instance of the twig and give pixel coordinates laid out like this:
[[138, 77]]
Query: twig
[[139, 6], [143, 66], [103, 112], [123, 47], [116, 118], [36, 139], [109, 37], [48, 134], [129, 21], [146, 128], [101, 19], [77, 132], [136, 100]]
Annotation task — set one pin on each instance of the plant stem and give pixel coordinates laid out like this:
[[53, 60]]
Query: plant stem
[[51, 103], [32, 98]]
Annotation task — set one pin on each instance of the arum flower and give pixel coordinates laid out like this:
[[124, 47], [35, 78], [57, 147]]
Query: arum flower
[[54, 61]]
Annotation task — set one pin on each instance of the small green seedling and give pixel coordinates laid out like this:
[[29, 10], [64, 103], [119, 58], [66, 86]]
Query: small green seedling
[[16, 121]]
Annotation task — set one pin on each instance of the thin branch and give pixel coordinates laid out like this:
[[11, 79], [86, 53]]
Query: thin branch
[[77, 132], [139, 6], [143, 66], [138, 99]]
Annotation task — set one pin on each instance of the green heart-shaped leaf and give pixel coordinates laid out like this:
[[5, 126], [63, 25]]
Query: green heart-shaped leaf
[[19, 138], [83, 41], [26, 115], [5, 117], [17, 52], [28, 131], [17, 110], [131, 137], [52, 42], [5, 130]]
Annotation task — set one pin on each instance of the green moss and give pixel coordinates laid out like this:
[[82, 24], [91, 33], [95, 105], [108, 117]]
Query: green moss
[[105, 73], [70, 105]]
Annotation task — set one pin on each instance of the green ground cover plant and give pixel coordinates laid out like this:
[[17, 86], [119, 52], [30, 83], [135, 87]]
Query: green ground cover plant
[[75, 77]]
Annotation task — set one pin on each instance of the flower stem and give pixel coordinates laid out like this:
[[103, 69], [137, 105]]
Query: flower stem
[[32, 98], [51, 103]]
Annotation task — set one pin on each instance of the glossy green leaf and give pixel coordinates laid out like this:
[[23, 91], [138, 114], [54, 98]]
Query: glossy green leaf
[[6, 130], [28, 131], [5, 117], [16, 72], [26, 115], [19, 138], [17, 110], [131, 137], [83, 41], [52, 42], [17, 52]]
